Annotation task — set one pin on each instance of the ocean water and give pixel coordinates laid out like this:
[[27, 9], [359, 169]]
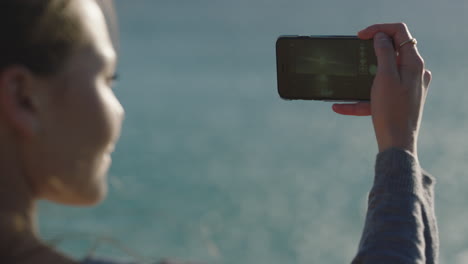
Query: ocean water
[[214, 167]]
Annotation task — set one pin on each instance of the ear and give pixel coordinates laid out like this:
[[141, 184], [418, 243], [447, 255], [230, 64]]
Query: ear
[[17, 108]]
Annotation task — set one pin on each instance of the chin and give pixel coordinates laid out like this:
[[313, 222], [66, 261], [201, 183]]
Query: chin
[[92, 199], [92, 196], [91, 193], [86, 186], [87, 196]]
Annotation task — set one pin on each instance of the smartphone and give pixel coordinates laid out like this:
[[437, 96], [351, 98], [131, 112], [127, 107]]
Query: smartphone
[[329, 68]]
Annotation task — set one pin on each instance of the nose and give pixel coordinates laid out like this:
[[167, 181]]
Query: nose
[[120, 116], [120, 111]]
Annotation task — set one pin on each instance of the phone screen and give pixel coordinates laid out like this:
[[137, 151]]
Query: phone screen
[[325, 68]]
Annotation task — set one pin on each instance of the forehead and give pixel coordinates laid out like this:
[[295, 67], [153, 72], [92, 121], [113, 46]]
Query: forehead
[[95, 28]]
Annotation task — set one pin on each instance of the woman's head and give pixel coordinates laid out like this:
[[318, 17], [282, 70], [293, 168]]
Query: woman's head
[[57, 110]]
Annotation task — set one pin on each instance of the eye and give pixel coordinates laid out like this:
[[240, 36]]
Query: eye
[[113, 79]]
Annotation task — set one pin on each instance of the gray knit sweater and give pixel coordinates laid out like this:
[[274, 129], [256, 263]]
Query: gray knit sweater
[[400, 226]]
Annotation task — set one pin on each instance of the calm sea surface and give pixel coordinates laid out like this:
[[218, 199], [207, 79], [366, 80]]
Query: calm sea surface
[[213, 166]]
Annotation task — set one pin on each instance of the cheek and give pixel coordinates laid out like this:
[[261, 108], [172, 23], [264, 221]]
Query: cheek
[[92, 124], [74, 157], [101, 117]]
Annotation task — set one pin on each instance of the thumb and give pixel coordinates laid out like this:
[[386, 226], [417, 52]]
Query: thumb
[[386, 56]]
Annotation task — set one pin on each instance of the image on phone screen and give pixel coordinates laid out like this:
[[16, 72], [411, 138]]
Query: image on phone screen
[[325, 68]]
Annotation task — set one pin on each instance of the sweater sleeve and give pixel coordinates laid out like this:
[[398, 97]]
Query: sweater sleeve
[[400, 223]]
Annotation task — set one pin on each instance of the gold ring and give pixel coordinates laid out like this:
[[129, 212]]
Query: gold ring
[[412, 41]]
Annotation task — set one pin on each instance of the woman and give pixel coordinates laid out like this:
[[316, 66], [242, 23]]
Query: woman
[[59, 118], [59, 122]]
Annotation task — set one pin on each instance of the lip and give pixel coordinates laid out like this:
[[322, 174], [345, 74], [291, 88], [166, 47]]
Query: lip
[[111, 148], [108, 158]]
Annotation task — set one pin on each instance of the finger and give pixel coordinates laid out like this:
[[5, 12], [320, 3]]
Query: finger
[[356, 109], [399, 33], [427, 78], [386, 57]]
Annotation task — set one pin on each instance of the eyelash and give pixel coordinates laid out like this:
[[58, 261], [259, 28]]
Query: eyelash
[[112, 79]]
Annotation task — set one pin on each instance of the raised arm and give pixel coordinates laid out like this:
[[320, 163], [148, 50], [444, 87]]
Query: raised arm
[[400, 223]]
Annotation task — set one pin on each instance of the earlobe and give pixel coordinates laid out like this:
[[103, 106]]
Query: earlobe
[[16, 107]]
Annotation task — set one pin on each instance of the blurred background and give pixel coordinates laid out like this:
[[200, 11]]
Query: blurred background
[[214, 167]]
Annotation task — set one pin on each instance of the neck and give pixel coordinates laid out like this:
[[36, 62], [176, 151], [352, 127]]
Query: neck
[[17, 211], [19, 240]]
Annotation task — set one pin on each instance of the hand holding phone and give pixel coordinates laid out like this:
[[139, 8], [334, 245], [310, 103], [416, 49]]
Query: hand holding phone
[[399, 90]]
